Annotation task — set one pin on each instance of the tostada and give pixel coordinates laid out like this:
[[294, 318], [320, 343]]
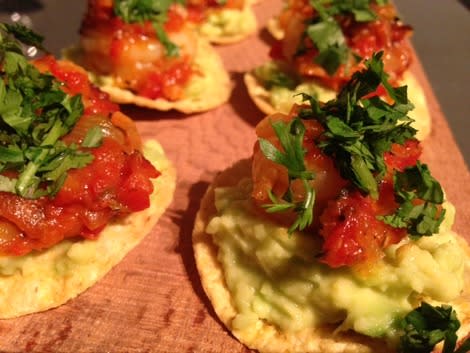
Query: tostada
[[334, 237], [78, 189]]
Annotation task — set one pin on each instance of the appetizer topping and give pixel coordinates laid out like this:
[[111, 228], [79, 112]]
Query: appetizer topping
[[71, 162], [327, 40], [35, 114], [140, 11], [371, 192], [145, 46]]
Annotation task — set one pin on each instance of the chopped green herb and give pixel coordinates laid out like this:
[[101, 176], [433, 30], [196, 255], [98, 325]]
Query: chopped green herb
[[419, 218], [34, 114], [25, 35], [139, 11], [325, 32], [426, 326], [291, 137], [93, 138], [359, 130]]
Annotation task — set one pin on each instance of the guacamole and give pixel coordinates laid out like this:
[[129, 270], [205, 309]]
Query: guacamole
[[228, 25], [276, 277]]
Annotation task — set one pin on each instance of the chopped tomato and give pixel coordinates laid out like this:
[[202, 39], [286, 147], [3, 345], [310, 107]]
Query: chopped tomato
[[403, 156], [352, 232], [136, 185], [75, 81], [175, 20], [167, 84]]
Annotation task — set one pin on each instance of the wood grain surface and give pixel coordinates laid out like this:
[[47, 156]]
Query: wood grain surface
[[153, 300]]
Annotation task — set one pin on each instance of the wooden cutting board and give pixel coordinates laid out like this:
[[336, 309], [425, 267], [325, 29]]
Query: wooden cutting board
[[153, 300]]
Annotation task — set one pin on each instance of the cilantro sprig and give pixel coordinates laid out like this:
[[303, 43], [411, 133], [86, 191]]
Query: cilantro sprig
[[326, 33], [139, 11], [291, 136], [34, 114], [426, 326]]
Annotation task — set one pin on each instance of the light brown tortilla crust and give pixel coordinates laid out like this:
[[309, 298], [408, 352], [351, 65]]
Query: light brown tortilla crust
[[267, 338], [211, 78], [421, 114], [50, 278]]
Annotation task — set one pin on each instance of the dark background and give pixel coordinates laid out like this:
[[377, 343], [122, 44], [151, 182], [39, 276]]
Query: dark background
[[441, 39]]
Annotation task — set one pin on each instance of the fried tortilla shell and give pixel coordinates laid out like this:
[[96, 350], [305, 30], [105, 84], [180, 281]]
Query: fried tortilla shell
[[46, 279], [262, 99], [209, 87], [263, 336]]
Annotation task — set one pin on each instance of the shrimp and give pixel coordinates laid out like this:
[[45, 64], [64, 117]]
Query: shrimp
[[269, 176]]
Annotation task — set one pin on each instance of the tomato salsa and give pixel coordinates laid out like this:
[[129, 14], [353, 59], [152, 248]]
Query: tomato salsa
[[115, 183]]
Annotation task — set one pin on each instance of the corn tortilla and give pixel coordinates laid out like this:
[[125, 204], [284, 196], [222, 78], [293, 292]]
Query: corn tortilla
[[267, 338], [47, 279]]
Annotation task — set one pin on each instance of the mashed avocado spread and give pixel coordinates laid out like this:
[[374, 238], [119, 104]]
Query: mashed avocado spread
[[225, 23], [275, 276], [285, 87]]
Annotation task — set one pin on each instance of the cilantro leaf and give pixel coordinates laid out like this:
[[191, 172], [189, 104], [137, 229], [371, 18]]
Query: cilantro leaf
[[24, 34], [34, 114], [330, 42], [139, 11], [93, 138], [426, 326], [326, 34], [418, 195], [291, 137]]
